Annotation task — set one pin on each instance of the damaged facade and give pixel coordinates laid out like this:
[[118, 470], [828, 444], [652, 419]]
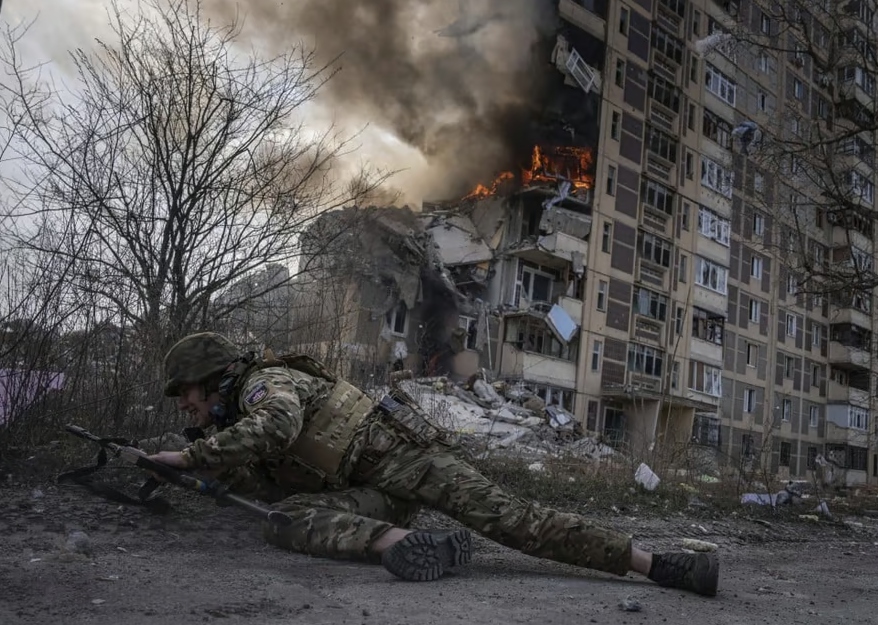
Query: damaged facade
[[622, 272]]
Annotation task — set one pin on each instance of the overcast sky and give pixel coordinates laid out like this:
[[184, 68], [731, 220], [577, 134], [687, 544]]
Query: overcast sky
[[63, 25]]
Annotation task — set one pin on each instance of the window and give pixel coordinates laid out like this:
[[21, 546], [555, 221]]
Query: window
[[756, 267], [816, 373], [785, 449], [860, 186], [787, 409], [858, 418], [597, 348], [813, 416], [654, 249], [650, 304], [684, 216], [749, 400], [657, 196], [666, 44], [532, 285], [762, 100], [470, 326], [765, 24], [812, 458], [762, 63], [705, 378], [623, 21], [690, 165], [664, 92], [611, 180], [711, 225], [717, 129], [752, 354], [397, 319], [791, 325], [711, 276], [606, 236], [706, 430], [720, 85], [620, 73], [789, 366], [602, 295], [792, 284], [678, 320], [645, 360], [755, 306], [682, 269], [758, 224], [816, 335], [798, 89], [661, 144], [675, 375], [758, 182], [707, 326], [615, 125], [716, 178], [858, 76]]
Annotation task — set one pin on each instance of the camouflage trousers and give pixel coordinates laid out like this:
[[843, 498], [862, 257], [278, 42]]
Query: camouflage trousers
[[344, 524]]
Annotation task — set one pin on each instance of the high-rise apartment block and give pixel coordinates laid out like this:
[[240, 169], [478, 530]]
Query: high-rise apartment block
[[693, 324]]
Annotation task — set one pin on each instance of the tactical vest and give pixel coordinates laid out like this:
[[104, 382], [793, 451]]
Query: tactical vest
[[326, 436]]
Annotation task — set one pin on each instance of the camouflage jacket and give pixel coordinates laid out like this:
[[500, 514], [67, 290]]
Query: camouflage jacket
[[274, 403]]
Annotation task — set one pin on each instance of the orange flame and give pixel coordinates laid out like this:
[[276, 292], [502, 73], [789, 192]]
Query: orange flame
[[547, 166], [568, 162], [482, 191]]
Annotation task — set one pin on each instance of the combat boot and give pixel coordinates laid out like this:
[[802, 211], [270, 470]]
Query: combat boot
[[698, 572], [425, 555]]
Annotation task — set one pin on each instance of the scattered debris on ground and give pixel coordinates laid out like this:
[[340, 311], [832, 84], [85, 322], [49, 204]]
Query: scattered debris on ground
[[498, 416]]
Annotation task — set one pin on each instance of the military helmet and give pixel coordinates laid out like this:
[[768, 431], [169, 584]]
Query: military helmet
[[195, 358]]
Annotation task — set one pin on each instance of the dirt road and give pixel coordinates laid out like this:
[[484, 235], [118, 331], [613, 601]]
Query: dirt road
[[205, 564]]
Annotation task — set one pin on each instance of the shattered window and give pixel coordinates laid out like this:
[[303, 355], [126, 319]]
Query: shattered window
[[470, 325], [396, 319]]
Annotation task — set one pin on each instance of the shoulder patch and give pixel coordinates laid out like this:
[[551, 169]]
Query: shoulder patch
[[256, 394]]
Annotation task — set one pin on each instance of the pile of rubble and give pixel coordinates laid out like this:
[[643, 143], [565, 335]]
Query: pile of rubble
[[495, 416]]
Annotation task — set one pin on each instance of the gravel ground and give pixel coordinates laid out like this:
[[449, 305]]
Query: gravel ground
[[203, 564]]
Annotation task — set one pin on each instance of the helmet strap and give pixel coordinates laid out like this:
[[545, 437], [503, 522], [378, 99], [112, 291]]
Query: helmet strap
[[225, 413]]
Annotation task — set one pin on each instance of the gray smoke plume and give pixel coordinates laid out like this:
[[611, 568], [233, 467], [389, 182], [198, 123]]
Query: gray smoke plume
[[455, 81]]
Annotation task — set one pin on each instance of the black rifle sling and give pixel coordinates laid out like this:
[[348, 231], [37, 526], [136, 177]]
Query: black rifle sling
[[82, 476]]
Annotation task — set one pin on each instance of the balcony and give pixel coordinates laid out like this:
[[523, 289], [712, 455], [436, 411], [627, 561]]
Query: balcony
[[706, 351], [538, 368], [848, 313], [586, 15], [556, 250], [849, 231], [571, 306], [838, 435], [652, 275], [848, 356], [841, 394]]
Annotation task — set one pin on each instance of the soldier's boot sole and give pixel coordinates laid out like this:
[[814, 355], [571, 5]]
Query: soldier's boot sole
[[424, 556]]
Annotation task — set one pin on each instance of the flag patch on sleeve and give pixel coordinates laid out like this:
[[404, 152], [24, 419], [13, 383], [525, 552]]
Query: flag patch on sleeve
[[256, 394]]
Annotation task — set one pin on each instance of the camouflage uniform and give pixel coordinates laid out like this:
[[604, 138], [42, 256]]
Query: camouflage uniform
[[347, 469], [343, 520]]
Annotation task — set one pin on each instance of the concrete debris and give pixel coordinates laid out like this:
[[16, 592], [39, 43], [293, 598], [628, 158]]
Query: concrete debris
[[699, 545], [78, 542], [646, 478], [500, 416], [629, 604]]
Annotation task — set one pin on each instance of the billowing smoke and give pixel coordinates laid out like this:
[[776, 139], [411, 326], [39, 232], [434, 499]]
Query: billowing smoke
[[453, 81]]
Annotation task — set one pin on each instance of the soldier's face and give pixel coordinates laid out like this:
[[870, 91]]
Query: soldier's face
[[193, 401]]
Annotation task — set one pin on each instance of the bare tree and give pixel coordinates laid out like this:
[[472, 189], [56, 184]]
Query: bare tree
[[806, 151], [172, 167]]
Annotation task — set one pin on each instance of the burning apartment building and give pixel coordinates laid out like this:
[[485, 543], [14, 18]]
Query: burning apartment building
[[617, 265]]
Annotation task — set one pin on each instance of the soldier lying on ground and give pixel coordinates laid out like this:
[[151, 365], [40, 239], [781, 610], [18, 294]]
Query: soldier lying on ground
[[353, 473]]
